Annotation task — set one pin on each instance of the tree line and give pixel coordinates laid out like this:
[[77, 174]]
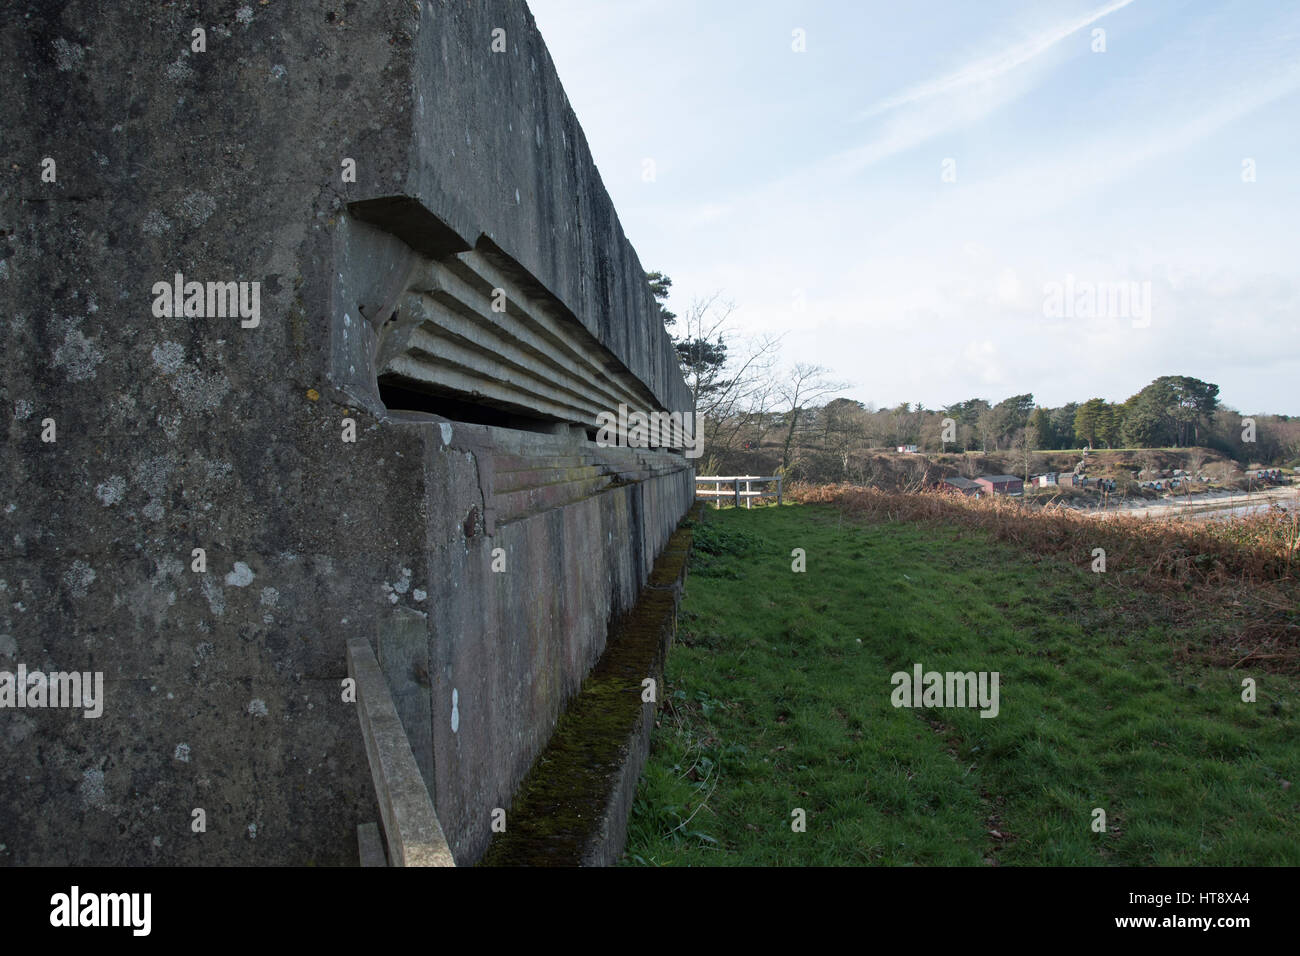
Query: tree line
[[747, 400]]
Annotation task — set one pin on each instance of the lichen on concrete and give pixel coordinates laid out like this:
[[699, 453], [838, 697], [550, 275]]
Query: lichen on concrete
[[193, 432]]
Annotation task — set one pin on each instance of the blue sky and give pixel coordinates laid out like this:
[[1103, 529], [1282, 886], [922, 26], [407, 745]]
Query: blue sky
[[785, 179]]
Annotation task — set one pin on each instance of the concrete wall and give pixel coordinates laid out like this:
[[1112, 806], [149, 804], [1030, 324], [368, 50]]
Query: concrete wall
[[223, 688]]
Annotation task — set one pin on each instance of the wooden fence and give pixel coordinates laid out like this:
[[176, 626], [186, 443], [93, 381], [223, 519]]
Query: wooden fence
[[741, 488]]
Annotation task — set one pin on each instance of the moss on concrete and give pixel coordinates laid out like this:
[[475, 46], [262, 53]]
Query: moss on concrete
[[560, 808]]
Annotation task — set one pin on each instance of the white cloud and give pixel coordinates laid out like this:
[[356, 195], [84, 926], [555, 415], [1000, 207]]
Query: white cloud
[[991, 68]]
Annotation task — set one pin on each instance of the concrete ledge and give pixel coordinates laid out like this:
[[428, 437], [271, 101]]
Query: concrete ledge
[[370, 845], [411, 827], [573, 806], [410, 221]]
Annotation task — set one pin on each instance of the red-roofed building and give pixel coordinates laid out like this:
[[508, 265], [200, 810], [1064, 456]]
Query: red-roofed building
[[1001, 484]]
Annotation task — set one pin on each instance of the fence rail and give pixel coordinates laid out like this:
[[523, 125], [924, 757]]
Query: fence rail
[[410, 823], [741, 488]]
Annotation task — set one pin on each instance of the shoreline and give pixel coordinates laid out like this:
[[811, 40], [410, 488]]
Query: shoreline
[[1204, 505]]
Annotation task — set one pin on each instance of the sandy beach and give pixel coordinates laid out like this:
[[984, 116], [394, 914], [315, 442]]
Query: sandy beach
[[1210, 505]]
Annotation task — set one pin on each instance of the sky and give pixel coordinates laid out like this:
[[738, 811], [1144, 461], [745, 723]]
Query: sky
[[945, 200]]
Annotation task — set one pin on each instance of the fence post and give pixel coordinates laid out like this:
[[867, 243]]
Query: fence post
[[779, 479], [735, 486], [747, 498]]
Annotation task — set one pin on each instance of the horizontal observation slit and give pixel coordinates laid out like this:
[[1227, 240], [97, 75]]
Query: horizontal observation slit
[[397, 398], [475, 338]]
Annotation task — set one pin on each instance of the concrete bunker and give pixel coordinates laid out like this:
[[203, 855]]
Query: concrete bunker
[[465, 341], [473, 535]]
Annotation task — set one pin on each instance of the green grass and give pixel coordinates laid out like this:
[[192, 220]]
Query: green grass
[[778, 697]]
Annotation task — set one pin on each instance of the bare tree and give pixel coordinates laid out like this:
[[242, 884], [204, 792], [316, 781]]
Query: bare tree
[[1024, 444], [732, 388], [802, 385], [843, 430]]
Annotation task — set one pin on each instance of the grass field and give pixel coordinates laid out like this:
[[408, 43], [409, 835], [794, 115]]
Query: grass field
[[778, 698]]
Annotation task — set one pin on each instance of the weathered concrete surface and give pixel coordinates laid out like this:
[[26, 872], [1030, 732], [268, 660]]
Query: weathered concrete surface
[[223, 687], [370, 845], [573, 806], [553, 622]]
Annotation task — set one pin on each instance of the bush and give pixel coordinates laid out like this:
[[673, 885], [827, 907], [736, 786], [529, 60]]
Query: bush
[[712, 541]]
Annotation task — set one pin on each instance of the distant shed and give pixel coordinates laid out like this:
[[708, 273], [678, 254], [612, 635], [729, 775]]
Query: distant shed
[[1001, 484], [964, 485]]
